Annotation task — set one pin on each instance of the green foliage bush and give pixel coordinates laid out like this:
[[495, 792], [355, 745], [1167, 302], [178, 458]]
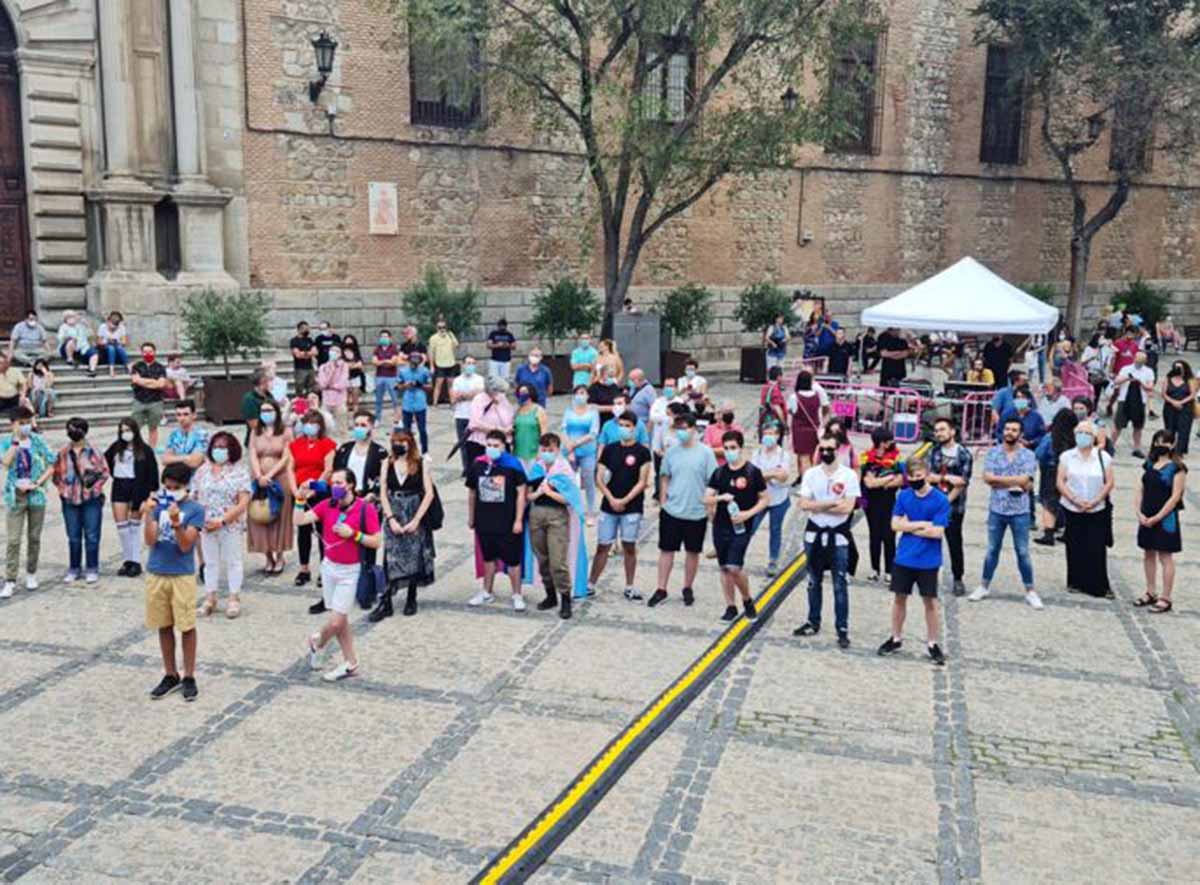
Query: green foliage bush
[[758, 305], [686, 311], [218, 326], [432, 298], [563, 309]]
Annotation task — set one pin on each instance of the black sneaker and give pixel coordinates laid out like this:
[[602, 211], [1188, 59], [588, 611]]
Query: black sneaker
[[749, 610], [301, 579], [730, 614], [659, 596], [1046, 539], [317, 607], [123, 571], [164, 688], [935, 654], [688, 596], [807, 629], [135, 569], [891, 646], [960, 589], [1139, 454], [190, 691], [843, 639], [548, 603]]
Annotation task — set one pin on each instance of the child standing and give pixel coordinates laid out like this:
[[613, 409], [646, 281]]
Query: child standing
[[171, 527]]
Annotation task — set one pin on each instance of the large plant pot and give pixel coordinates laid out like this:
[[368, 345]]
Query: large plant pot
[[223, 397], [754, 365], [560, 372], [674, 363]]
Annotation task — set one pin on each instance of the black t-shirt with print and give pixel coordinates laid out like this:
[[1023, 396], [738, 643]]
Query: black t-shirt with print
[[324, 341], [745, 484], [302, 342], [624, 465], [155, 370], [496, 340], [495, 496]]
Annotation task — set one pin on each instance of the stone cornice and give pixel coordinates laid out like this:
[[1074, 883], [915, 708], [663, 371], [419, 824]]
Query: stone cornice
[[79, 61]]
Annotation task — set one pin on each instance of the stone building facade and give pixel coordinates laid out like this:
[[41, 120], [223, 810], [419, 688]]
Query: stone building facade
[[167, 145]]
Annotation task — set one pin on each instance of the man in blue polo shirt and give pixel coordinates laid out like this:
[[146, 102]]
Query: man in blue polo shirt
[[1002, 401], [919, 517], [583, 361]]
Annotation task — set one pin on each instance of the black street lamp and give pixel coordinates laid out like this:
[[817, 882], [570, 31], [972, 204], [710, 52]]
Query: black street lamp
[[324, 47]]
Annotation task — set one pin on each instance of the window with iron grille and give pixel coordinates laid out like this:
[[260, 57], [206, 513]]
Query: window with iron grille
[[857, 85], [1003, 138], [1132, 140], [443, 84], [669, 88]]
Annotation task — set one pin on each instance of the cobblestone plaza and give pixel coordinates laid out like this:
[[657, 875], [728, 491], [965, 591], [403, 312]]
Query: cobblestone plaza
[[1054, 746]]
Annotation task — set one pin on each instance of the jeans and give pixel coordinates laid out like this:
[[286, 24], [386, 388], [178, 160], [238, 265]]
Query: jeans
[[776, 515], [83, 529], [498, 370], [841, 598], [223, 553], [586, 464], [389, 387], [112, 354], [21, 518], [419, 417], [460, 425], [954, 541], [1019, 523]]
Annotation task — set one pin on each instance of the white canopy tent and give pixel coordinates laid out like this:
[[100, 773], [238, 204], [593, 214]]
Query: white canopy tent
[[967, 298]]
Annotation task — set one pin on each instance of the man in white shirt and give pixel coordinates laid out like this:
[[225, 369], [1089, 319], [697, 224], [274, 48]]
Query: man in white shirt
[[1135, 387], [692, 379], [1052, 401], [463, 389], [828, 493]]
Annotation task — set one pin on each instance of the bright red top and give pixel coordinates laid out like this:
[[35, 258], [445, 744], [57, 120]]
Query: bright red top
[[308, 457]]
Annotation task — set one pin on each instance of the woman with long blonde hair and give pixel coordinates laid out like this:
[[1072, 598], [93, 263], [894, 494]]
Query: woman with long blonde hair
[[609, 357]]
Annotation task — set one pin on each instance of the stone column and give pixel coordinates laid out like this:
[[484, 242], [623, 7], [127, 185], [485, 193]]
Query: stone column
[[117, 89], [189, 143]]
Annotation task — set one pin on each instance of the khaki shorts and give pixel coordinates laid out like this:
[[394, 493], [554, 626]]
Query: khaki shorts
[[146, 414], [171, 602]]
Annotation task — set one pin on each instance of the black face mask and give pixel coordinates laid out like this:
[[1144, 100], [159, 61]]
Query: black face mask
[[1157, 452], [399, 451], [75, 434], [917, 484], [727, 417], [828, 457]]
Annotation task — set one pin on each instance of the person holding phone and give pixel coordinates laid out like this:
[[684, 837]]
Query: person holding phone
[[28, 464]]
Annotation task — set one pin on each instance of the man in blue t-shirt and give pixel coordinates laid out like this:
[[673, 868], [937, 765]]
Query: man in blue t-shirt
[[583, 361], [414, 404], [171, 525], [919, 517]]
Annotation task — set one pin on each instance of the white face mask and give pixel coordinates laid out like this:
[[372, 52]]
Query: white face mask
[[127, 436]]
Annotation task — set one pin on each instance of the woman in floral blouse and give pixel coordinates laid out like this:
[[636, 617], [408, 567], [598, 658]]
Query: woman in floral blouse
[[222, 487], [80, 475]]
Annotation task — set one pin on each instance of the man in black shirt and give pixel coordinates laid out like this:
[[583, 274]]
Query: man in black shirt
[[502, 343], [622, 482], [840, 354], [997, 356], [894, 353], [412, 344], [736, 494], [325, 339], [603, 392], [495, 511], [550, 528], [149, 378], [304, 350]]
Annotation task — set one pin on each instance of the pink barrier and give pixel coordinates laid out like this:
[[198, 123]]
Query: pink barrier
[[866, 407], [1075, 381], [976, 425]]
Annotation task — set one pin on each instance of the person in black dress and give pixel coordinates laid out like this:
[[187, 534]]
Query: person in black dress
[[1179, 398], [406, 496], [1159, 500]]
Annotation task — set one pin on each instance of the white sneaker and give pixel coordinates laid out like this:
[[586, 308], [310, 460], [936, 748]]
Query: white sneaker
[[70, 577], [481, 598], [7, 590], [31, 582], [518, 603], [315, 655], [1035, 601], [340, 672], [92, 578], [979, 593]]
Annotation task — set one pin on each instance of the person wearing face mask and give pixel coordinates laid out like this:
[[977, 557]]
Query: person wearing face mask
[[443, 357], [1084, 411], [363, 456], [686, 470], [80, 475], [490, 410], [828, 493], [304, 351], [692, 379], [333, 380], [772, 461], [326, 339], [1049, 451], [414, 403], [1179, 403], [622, 485], [610, 432], [714, 434], [1085, 481], [882, 477], [580, 433], [406, 497], [772, 403], [253, 401], [604, 391], [1023, 410], [222, 487], [134, 471], [75, 340], [1135, 390], [463, 391], [845, 453], [950, 467], [660, 422], [920, 518], [348, 526], [111, 341], [412, 344], [736, 495], [501, 344], [536, 376], [1159, 498], [28, 341], [149, 379], [529, 423], [270, 465], [1053, 401], [171, 525], [556, 528], [309, 469], [28, 464], [583, 361], [386, 359], [1009, 470], [496, 496]]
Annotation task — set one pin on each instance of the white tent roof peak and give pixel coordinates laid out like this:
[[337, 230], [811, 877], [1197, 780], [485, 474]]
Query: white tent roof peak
[[965, 297]]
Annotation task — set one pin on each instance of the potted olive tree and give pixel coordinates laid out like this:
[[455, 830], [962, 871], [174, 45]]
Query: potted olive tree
[[218, 327], [432, 298], [561, 311], [757, 307], [686, 312]]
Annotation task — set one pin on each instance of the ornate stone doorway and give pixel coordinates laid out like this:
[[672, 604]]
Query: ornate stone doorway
[[15, 295]]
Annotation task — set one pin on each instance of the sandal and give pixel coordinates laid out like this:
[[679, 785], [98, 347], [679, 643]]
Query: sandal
[[1161, 607], [207, 608], [1145, 600], [233, 608]]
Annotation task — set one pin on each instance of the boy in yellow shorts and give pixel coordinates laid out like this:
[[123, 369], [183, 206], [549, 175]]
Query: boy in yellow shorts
[[171, 527]]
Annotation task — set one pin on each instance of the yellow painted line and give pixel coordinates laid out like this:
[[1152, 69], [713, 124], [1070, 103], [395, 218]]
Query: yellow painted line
[[643, 722]]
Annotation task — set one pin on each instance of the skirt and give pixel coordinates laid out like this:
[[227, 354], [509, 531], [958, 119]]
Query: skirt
[[409, 557], [272, 537], [1158, 539], [1087, 552]]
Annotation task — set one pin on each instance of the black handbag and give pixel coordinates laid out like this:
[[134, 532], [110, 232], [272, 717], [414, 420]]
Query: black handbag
[[372, 580], [435, 516]]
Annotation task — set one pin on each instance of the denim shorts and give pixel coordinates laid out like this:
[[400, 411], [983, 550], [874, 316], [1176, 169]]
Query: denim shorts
[[627, 525]]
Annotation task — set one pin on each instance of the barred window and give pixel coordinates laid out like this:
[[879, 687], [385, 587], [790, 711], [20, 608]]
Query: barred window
[[669, 87], [857, 84], [1003, 138], [443, 83], [1132, 142]]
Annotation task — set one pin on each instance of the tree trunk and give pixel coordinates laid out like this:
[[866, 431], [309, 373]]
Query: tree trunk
[[613, 292], [1081, 253]]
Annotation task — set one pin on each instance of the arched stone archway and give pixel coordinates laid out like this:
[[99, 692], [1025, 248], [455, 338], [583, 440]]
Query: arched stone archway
[[16, 289]]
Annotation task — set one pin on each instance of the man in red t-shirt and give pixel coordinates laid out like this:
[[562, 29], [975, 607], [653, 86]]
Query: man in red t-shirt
[[1126, 349], [348, 524]]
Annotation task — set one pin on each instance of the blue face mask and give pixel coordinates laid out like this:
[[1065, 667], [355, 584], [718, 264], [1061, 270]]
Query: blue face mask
[[1083, 440], [581, 399], [267, 417], [548, 458], [1021, 404], [220, 456], [312, 430], [360, 433], [669, 392], [384, 342], [493, 452], [683, 435], [469, 369], [768, 442], [625, 433]]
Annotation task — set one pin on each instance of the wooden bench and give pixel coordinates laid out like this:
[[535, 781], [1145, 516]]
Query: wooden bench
[[1190, 334]]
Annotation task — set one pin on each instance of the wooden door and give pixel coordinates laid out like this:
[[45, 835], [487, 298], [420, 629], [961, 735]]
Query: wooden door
[[15, 294]]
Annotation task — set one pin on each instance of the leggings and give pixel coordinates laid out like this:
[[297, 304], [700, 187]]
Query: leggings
[[879, 522], [304, 536], [587, 476], [954, 541]]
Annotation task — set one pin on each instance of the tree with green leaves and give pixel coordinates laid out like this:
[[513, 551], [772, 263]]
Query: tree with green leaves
[[663, 98], [1125, 69]]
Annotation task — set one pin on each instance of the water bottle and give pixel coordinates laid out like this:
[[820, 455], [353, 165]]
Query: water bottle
[[739, 528]]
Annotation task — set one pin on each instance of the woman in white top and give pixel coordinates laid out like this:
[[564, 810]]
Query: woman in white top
[[1085, 480], [465, 388], [111, 341], [774, 462]]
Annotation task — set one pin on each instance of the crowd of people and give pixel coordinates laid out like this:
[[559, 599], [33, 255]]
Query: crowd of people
[[318, 470]]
